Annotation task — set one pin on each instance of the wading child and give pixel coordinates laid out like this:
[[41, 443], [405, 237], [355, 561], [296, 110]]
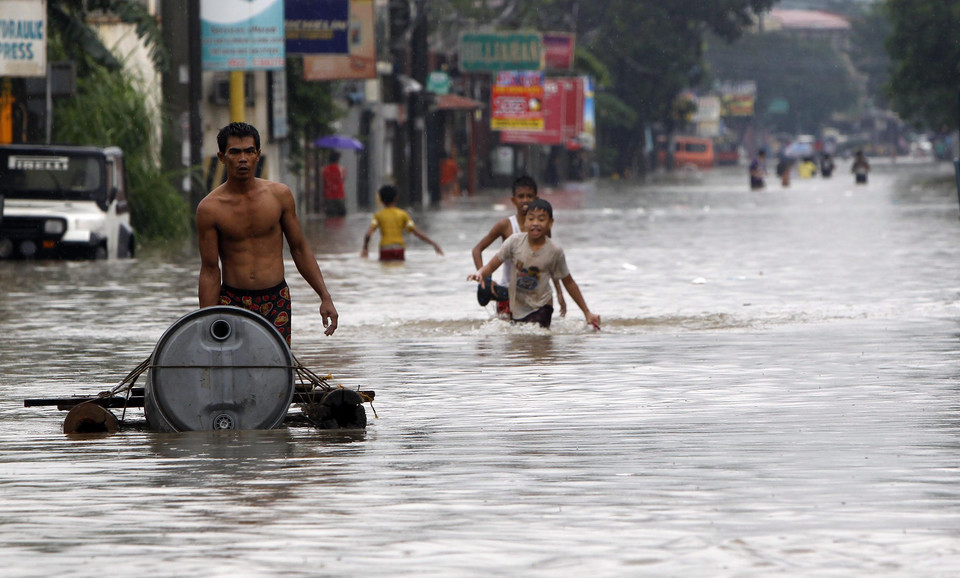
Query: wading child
[[536, 261], [392, 222], [524, 193]]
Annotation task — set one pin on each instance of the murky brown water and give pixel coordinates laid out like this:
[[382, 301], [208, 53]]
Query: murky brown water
[[775, 391]]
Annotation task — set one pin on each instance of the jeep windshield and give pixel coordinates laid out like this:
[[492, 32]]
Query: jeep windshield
[[55, 175]]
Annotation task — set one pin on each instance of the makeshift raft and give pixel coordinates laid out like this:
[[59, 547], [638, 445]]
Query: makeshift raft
[[218, 368]]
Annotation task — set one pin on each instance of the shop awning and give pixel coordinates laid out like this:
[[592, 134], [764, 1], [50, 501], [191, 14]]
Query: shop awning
[[456, 102]]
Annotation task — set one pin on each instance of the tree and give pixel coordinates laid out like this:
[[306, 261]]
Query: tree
[[812, 77], [655, 50], [925, 79], [69, 20]]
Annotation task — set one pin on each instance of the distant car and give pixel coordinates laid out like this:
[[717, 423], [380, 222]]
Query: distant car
[[64, 202], [688, 151]]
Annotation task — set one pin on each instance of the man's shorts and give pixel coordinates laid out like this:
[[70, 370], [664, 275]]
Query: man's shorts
[[543, 316], [391, 253], [272, 304]]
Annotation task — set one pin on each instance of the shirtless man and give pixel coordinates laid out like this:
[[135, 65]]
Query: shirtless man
[[241, 225]]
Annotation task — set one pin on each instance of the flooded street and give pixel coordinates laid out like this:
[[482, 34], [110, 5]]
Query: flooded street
[[775, 391]]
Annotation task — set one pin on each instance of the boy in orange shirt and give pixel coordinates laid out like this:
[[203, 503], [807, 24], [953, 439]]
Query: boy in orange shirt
[[392, 222]]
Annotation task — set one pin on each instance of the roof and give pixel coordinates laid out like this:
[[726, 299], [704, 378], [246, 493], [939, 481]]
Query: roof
[[456, 102], [809, 20]]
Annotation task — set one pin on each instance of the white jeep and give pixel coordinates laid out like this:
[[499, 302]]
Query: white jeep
[[63, 202]]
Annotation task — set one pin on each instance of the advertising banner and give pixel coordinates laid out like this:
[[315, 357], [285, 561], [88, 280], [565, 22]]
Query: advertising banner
[[501, 51], [563, 115], [242, 34], [23, 38], [360, 61], [317, 26], [517, 101], [737, 98]]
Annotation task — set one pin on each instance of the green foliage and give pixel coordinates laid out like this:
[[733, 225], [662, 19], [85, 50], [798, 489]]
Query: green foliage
[[310, 110], [924, 51], [811, 76], [109, 110], [68, 21]]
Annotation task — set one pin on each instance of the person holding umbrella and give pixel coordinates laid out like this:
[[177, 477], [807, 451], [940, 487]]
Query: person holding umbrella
[[335, 175]]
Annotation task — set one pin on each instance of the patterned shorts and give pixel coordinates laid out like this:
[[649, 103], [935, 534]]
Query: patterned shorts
[[272, 304]]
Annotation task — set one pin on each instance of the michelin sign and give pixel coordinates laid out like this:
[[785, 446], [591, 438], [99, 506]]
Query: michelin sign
[[23, 38]]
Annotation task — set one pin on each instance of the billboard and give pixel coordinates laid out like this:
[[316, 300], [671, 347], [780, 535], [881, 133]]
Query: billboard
[[360, 61], [737, 98], [242, 34], [564, 114], [23, 38], [317, 26], [517, 101]]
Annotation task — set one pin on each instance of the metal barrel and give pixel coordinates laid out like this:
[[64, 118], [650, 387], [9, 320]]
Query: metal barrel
[[219, 368]]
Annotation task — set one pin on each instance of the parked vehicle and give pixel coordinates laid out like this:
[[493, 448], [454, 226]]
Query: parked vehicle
[[687, 151], [64, 202]]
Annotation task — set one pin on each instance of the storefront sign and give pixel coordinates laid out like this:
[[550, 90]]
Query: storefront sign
[[23, 38], [496, 51], [317, 26]]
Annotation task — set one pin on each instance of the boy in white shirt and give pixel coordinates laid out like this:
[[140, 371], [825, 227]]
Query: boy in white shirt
[[536, 261]]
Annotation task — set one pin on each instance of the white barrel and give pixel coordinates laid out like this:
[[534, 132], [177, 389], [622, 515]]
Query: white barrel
[[219, 368]]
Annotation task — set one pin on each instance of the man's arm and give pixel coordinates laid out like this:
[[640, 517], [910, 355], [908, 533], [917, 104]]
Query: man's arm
[[495, 233], [305, 261], [208, 241]]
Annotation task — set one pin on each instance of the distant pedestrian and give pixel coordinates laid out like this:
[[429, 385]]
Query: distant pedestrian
[[783, 170], [334, 197], [449, 177], [393, 222], [758, 170], [860, 168], [826, 166]]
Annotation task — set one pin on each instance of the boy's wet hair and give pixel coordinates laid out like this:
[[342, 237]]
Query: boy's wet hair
[[388, 194], [525, 181], [539, 204], [238, 129]]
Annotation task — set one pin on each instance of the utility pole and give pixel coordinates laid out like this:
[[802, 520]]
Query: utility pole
[[196, 94], [399, 12], [420, 64]]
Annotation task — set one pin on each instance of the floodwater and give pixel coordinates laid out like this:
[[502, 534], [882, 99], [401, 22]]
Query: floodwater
[[775, 391]]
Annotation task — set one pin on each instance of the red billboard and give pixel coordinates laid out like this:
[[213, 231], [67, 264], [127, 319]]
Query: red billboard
[[562, 115]]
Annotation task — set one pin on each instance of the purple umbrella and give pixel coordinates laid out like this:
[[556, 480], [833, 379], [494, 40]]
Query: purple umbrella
[[338, 141]]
